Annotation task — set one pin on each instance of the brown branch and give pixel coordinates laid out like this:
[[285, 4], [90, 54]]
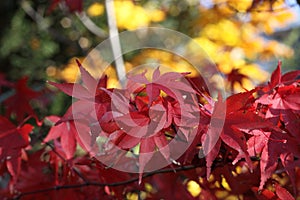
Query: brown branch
[[87, 183], [98, 184]]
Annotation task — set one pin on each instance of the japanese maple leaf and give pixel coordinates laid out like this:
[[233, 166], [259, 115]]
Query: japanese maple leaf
[[277, 79], [181, 105], [238, 117], [19, 102], [12, 140], [282, 193], [143, 118], [89, 94], [151, 113], [281, 99], [90, 90], [93, 102], [283, 106], [32, 175], [147, 149], [171, 83], [235, 77], [66, 130], [285, 97], [142, 125], [271, 146]]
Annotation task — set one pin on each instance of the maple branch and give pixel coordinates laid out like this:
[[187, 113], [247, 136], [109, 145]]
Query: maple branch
[[98, 184], [53, 149]]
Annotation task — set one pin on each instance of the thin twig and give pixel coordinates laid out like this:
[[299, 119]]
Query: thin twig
[[90, 25], [42, 23], [98, 184], [39, 19]]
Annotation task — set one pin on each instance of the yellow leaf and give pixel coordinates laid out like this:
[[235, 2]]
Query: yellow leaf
[[225, 184], [194, 188], [132, 196], [96, 9]]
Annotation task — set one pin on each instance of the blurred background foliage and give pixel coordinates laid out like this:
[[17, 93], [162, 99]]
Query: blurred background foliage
[[41, 39]]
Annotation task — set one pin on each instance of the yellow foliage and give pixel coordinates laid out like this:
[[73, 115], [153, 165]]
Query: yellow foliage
[[232, 197], [211, 178], [132, 196], [225, 184], [164, 59], [194, 188], [233, 40], [148, 187], [96, 9], [282, 180], [238, 169], [240, 6], [275, 19], [156, 15], [221, 194], [130, 16], [225, 32], [230, 37], [254, 72], [217, 184], [70, 72]]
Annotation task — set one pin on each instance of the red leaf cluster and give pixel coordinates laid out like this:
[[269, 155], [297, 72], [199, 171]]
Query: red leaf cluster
[[245, 145]]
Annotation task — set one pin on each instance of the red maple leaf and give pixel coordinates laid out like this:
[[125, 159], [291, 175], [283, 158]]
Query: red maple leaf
[[19, 103], [140, 124], [281, 97], [90, 90], [282, 193], [281, 101], [93, 102], [12, 140], [235, 77], [271, 146], [66, 129], [239, 118]]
